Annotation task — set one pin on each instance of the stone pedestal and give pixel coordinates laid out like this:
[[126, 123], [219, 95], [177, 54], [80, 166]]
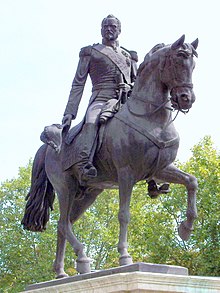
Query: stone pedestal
[[134, 278]]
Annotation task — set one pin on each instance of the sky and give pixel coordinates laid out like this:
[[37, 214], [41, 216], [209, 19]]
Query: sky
[[39, 52]]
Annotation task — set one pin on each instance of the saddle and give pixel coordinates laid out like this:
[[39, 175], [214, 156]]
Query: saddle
[[68, 143]]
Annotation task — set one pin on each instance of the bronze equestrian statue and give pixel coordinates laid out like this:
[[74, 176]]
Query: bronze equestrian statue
[[112, 70], [144, 148]]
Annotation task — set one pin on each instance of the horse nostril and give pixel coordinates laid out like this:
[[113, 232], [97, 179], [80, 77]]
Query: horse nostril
[[185, 97]]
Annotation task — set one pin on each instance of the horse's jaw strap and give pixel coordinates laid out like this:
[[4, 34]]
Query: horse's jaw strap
[[150, 102]]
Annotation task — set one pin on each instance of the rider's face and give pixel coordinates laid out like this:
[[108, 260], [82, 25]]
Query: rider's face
[[110, 29]]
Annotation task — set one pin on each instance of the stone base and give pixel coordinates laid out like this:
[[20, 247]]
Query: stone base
[[139, 277]]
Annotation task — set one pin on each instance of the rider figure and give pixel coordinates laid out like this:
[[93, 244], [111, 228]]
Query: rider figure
[[112, 70]]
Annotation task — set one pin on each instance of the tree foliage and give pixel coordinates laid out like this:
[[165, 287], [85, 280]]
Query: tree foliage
[[27, 257]]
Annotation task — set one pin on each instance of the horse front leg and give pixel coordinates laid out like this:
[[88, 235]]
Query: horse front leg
[[66, 188], [125, 191], [173, 175]]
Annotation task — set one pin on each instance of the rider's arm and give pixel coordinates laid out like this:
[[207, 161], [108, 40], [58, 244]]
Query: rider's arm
[[78, 83]]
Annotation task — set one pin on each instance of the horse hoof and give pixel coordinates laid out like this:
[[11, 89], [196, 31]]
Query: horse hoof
[[184, 232], [83, 266], [63, 275], [125, 260]]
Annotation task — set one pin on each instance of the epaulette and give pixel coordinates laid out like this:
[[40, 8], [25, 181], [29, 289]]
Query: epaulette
[[133, 54], [85, 51]]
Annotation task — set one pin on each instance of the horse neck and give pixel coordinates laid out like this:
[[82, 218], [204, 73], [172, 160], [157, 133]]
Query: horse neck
[[150, 88], [149, 99]]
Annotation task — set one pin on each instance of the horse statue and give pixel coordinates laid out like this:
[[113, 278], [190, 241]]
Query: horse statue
[[139, 143]]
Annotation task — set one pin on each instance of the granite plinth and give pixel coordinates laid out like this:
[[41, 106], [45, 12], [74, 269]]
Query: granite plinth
[[136, 267], [135, 278]]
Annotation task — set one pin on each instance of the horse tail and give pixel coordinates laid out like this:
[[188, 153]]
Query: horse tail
[[40, 197]]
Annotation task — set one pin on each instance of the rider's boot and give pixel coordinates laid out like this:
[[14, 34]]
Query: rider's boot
[[85, 167], [154, 190]]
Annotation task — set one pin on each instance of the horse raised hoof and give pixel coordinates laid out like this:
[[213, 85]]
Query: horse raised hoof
[[125, 260], [184, 231], [83, 265]]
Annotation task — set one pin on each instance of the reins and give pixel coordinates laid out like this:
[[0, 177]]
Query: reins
[[158, 107]]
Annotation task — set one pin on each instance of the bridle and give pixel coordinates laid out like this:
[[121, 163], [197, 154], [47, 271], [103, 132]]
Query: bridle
[[174, 79]]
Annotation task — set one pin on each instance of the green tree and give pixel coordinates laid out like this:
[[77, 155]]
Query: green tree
[[201, 253], [27, 257], [205, 164]]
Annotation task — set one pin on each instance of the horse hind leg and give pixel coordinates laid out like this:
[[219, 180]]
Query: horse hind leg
[[82, 261], [174, 175], [78, 208], [65, 230], [82, 204], [66, 187], [58, 265], [66, 191]]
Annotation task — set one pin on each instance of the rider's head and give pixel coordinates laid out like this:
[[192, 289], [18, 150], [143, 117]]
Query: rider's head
[[111, 28]]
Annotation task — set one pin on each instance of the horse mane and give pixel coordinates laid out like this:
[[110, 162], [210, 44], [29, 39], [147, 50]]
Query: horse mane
[[148, 57]]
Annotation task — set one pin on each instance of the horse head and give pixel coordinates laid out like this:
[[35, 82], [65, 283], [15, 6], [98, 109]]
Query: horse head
[[176, 67]]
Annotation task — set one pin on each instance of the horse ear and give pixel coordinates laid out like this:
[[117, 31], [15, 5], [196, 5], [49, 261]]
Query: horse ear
[[195, 43], [178, 43]]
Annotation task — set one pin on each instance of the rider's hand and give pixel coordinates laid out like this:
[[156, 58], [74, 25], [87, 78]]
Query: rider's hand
[[67, 119]]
